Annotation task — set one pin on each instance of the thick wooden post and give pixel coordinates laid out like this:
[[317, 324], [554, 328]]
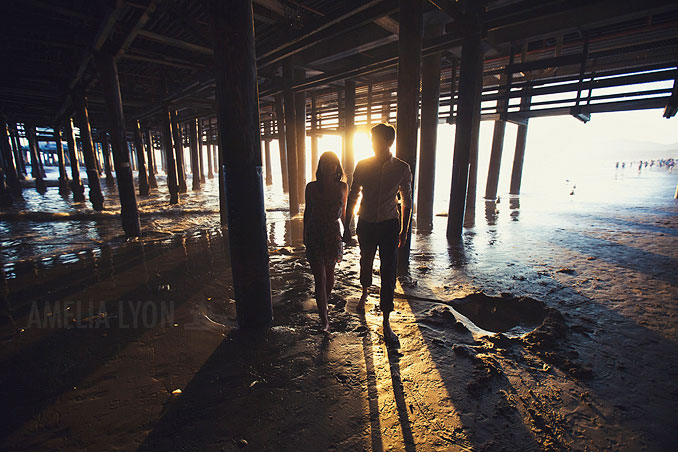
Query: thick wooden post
[[76, 183], [108, 77], [267, 152], [521, 142], [495, 160], [300, 127], [152, 183], [201, 166], [36, 172], [238, 125], [205, 131], [468, 108], [9, 168], [82, 117], [106, 151], [193, 142], [409, 61], [141, 159], [179, 153], [314, 137], [430, 98], [63, 177], [170, 164], [18, 152], [282, 143], [291, 138], [349, 127]]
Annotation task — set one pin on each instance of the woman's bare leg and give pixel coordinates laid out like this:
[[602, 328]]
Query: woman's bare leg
[[319, 274], [329, 278]]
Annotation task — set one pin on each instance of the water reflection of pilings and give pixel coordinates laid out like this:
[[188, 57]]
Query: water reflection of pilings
[[456, 252], [294, 231], [491, 212], [514, 205]]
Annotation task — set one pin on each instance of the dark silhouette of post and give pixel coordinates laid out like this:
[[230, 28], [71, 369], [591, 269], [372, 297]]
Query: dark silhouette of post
[[409, 61], [108, 77], [495, 159], [152, 182], [468, 108], [210, 173], [179, 152], [200, 152], [170, 164], [238, 125], [349, 130], [193, 142], [282, 144], [36, 172], [106, 151], [144, 187], [18, 152], [521, 142], [8, 166], [314, 137], [63, 177], [267, 152], [76, 183], [82, 117], [430, 97], [300, 127], [291, 137]]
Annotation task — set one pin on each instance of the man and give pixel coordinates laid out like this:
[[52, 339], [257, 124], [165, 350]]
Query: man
[[380, 224]]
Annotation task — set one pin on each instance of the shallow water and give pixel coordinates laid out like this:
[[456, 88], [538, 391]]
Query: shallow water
[[579, 209]]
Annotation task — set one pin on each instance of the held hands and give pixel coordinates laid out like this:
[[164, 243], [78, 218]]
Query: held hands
[[402, 239], [347, 238]]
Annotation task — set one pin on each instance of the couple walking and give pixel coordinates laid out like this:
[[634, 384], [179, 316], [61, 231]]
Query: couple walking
[[381, 223]]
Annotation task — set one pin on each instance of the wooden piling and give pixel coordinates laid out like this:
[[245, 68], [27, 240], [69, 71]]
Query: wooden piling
[[152, 182], [300, 128], [193, 142], [8, 165], [108, 77], [349, 129], [314, 137], [144, 187], [106, 151], [76, 183], [36, 172], [178, 153], [201, 165], [282, 143], [468, 107], [82, 117], [291, 137], [170, 164], [18, 152], [521, 142], [238, 125], [267, 152], [430, 98], [210, 173], [63, 177], [409, 62]]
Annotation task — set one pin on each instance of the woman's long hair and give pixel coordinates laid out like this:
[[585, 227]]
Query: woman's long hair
[[328, 159]]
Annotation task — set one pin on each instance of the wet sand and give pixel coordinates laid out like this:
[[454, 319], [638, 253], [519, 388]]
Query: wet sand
[[544, 329]]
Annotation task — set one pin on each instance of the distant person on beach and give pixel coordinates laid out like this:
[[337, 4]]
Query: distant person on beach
[[381, 223], [325, 207]]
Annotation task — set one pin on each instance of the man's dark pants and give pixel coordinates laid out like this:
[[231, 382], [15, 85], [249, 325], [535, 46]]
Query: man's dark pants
[[383, 235]]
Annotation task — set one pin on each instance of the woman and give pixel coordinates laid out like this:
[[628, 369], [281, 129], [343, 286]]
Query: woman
[[325, 207]]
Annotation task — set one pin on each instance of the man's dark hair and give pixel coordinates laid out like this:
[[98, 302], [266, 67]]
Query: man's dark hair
[[386, 131]]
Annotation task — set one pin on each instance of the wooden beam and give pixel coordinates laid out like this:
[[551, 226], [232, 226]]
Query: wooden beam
[[175, 42]]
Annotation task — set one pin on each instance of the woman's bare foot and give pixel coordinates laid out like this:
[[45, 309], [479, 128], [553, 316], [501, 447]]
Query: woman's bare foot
[[360, 308], [326, 327], [390, 337]]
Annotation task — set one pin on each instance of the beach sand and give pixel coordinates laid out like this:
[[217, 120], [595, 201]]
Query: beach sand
[[540, 330]]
